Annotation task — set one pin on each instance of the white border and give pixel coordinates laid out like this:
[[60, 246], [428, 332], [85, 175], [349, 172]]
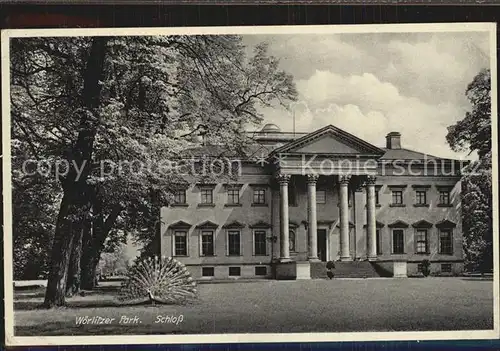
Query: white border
[[12, 340]]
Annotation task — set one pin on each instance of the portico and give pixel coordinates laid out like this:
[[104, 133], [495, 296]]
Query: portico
[[344, 162], [339, 183]]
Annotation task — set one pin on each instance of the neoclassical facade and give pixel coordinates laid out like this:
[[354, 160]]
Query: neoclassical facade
[[317, 197]]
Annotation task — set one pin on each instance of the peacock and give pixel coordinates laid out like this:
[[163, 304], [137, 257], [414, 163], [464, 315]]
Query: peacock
[[154, 280]]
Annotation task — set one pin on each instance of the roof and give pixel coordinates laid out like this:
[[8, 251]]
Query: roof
[[406, 154]]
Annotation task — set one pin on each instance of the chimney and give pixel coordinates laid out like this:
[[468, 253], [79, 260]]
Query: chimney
[[393, 140]]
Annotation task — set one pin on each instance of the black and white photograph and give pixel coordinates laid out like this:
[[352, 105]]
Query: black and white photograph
[[250, 184]]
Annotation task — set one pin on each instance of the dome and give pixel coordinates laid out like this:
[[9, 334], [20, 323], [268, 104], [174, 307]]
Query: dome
[[270, 127]]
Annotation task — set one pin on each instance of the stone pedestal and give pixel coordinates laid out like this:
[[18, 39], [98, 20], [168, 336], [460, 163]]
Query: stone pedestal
[[303, 270], [400, 269], [286, 270]]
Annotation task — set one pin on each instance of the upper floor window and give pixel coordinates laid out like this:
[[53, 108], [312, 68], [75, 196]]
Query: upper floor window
[[421, 197], [180, 197], [397, 197], [259, 196], [321, 197], [207, 196], [233, 196], [444, 197], [377, 199]]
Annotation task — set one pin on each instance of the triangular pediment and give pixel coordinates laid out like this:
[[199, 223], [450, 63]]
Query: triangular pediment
[[445, 224], [208, 225], [234, 224], [398, 224], [330, 140], [180, 225]]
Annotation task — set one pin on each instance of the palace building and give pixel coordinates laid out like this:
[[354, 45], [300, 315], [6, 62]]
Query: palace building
[[303, 199]]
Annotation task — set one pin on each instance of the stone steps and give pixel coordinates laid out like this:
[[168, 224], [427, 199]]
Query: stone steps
[[354, 269]]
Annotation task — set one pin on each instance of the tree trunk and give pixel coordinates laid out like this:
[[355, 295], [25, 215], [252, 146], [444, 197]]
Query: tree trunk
[[61, 254], [75, 199], [94, 245], [73, 284]]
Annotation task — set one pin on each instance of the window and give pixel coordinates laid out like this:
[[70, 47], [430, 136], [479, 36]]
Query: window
[[445, 267], [207, 196], [377, 200], [207, 271], [233, 196], [444, 197], [180, 197], [398, 241], [420, 268], [379, 244], [421, 197], [260, 243], [421, 240], [207, 243], [291, 238], [234, 271], [445, 242], [321, 197], [259, 196], [397, 197], [233, 243], [261, 270], [180, 243]]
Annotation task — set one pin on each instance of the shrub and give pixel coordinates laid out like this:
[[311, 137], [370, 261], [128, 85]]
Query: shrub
[[158, 280], [330, 265], [426, 268]]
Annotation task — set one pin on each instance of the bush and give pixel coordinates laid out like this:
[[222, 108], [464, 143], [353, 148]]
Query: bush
[[426, 268], [330, 265]]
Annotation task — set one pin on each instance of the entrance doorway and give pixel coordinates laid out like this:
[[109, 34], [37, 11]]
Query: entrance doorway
[[322, 244]]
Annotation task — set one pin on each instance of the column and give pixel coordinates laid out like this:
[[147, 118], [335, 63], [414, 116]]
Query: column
[[371, 224], [283, 180], [312, 217], [345, 255]]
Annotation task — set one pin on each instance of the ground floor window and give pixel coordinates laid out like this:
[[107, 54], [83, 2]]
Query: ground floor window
[[233, 243], [180, 243], [398, 241], [445, 242], [207, 243], [234, 271], [207, 271], [421, 241], [379, 243], [261, 270], [260, 243], [291, 239]]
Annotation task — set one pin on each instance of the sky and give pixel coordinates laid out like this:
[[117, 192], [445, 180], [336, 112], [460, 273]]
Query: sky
[[370, 84]]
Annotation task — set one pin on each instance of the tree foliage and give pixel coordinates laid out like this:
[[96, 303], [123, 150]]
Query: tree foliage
[[473, 133], [110, 110]]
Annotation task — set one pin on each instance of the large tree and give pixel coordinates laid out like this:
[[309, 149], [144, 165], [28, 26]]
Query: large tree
[[91, 103], [473, 134]]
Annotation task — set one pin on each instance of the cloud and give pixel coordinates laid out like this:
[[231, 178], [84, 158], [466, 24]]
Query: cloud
[[369, 108], [373, 83]]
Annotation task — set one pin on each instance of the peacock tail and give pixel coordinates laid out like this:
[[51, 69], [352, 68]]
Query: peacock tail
[[162, 280]]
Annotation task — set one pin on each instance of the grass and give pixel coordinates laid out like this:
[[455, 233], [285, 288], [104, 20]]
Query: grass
[[278, 307]]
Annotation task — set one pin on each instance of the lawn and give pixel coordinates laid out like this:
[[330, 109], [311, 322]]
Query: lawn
[[278, 307]]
